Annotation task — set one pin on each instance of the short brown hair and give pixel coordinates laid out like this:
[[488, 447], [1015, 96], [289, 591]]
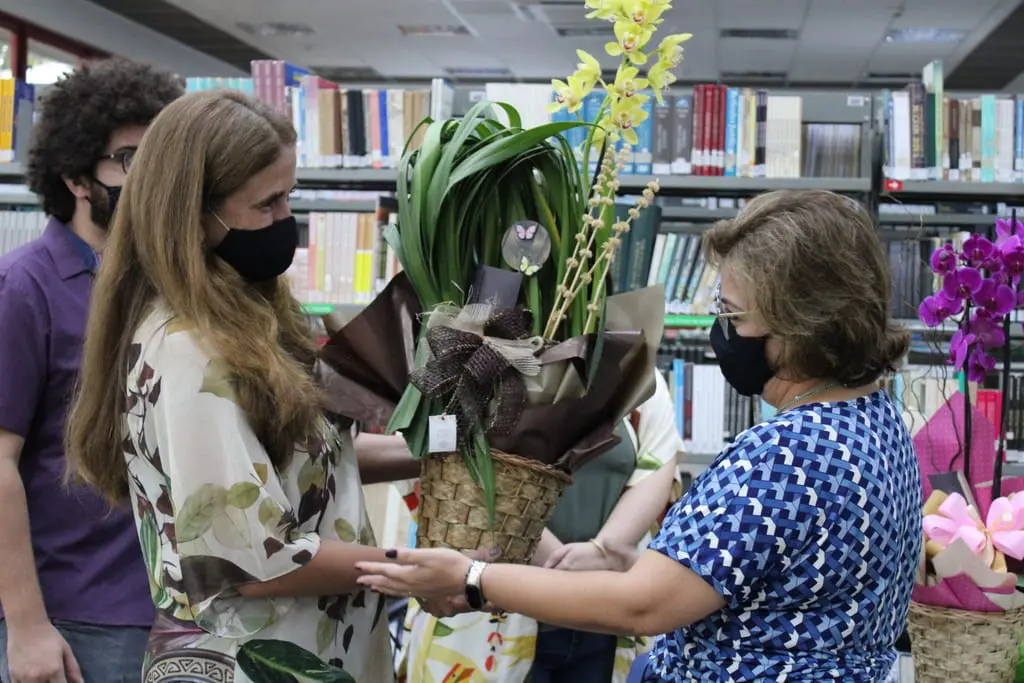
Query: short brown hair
[[814, 268]]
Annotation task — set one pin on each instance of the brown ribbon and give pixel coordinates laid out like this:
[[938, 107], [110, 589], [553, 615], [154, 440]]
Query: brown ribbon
[[470, 371]]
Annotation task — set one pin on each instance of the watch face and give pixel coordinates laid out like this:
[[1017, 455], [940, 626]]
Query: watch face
[[474, 597]]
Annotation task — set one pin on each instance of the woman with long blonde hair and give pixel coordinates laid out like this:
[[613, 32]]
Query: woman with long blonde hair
[[198, 404]]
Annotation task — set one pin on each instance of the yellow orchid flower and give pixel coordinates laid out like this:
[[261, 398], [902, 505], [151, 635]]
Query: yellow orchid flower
[[670, 50], [626, 82], [604, 9], [661, 79], [568, 95], [589, 69], [630, 42], [605, 128], [626, 114], [645, 13]]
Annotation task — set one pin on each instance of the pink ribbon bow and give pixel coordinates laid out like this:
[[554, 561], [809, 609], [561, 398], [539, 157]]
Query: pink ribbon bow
[[1003, 529]]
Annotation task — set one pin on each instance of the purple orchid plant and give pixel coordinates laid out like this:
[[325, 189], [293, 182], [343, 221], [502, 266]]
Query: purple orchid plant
[[980, 287]]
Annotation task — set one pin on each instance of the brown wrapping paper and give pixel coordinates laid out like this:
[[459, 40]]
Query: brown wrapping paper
[[365, 368]]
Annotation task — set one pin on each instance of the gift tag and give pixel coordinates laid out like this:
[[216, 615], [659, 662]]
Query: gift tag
[[442, 434]]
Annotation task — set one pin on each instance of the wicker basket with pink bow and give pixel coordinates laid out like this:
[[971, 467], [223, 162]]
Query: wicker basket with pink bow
[[967, 614]]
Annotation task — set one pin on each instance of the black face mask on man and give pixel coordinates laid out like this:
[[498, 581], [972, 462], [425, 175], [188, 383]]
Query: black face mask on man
[[263, 254], [101, 215], [742, 360]]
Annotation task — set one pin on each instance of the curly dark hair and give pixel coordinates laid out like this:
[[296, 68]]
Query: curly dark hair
[[78, 116]]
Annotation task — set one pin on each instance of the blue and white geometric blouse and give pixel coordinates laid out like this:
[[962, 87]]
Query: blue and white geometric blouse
[[809, 526]]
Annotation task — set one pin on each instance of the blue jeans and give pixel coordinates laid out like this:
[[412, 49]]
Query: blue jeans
[[565, 656], [106, 654]]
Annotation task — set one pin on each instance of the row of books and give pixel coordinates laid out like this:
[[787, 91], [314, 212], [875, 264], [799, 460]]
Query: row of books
[[345, 260], [18, 227], [342, 260], [340, 127], [912, 276], [931, 135], [710, 413], [750, 133], [710, 130]]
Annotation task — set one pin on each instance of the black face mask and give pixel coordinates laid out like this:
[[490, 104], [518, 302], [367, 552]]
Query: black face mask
[[102, 215], [261, 255], [743, 360]]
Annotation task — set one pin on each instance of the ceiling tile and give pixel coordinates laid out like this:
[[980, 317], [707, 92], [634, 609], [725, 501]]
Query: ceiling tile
[[773, 14], [826, 71], [958, 16], [834, 13], [858, 34], [839, 39], [690, 13], [747, 54], [893, 58]]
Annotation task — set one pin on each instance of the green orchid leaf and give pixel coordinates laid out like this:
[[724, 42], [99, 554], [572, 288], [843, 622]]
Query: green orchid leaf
[[278, 661]]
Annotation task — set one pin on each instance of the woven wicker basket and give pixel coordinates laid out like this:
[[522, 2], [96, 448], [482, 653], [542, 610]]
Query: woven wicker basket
[[453, 513], [951, 645]]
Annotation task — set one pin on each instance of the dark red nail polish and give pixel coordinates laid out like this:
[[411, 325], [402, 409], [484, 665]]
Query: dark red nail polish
[[391, 554]]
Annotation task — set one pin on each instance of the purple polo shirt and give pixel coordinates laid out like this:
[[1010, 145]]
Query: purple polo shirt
[[87, 556]]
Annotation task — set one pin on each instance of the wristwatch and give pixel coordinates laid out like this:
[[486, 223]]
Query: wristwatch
[[474, 591]]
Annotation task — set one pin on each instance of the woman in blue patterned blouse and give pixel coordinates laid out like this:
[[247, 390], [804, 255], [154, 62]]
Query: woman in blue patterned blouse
[[793, 555]]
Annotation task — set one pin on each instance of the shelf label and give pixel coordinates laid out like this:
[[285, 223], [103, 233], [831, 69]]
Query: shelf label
[[893, 185], [689, 320], [318, 309]]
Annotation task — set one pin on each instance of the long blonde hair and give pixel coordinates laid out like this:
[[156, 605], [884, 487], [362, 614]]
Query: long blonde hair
[[197, 152]]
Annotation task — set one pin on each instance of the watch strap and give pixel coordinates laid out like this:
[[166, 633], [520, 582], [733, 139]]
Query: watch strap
[[474, 590]]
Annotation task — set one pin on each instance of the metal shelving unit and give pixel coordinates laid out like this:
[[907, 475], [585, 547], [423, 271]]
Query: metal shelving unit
[[949, 188], [18, 199], [943, 220], [335, 205], [695, 214], [683, 184]]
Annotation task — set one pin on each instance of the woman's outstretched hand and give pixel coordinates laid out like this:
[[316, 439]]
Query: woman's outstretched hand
[[434, 575], [580, 557]]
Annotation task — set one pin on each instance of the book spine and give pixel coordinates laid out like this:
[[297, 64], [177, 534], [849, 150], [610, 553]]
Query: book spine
[[732, 122], [663, 132]]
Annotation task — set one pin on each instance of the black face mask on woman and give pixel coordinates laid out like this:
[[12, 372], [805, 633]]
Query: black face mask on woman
[[263, 254], [742, 360]]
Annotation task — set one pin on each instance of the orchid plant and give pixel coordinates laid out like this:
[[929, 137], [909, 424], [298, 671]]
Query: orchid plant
[[634, 23], [980, 288]]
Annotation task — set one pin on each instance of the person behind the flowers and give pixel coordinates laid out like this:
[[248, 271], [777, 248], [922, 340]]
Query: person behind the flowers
[[793, 556], [198, 374], [599, 522]]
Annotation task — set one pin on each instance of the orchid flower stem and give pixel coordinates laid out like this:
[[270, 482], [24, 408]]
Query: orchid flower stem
[[968, 415], [997, 467]]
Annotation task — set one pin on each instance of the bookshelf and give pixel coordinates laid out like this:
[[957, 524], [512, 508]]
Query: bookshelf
[[845, 125]]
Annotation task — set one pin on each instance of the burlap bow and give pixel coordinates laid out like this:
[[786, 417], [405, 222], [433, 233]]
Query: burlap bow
[[479, 355]]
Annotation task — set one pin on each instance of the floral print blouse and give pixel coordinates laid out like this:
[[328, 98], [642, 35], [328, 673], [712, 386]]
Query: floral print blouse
[[213, 513]]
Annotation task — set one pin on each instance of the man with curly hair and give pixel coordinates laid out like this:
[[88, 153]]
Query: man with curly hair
[[73, 588]]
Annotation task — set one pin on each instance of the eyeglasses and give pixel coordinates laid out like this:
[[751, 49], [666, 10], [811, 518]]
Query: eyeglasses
[[722, 317], [123, 157]]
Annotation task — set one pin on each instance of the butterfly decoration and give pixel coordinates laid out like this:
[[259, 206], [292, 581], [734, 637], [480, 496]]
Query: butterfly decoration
[[526, 246], [526, 231], [527, 268]]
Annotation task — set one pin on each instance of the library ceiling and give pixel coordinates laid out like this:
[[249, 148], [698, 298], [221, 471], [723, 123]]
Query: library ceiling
[[815, 43]]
